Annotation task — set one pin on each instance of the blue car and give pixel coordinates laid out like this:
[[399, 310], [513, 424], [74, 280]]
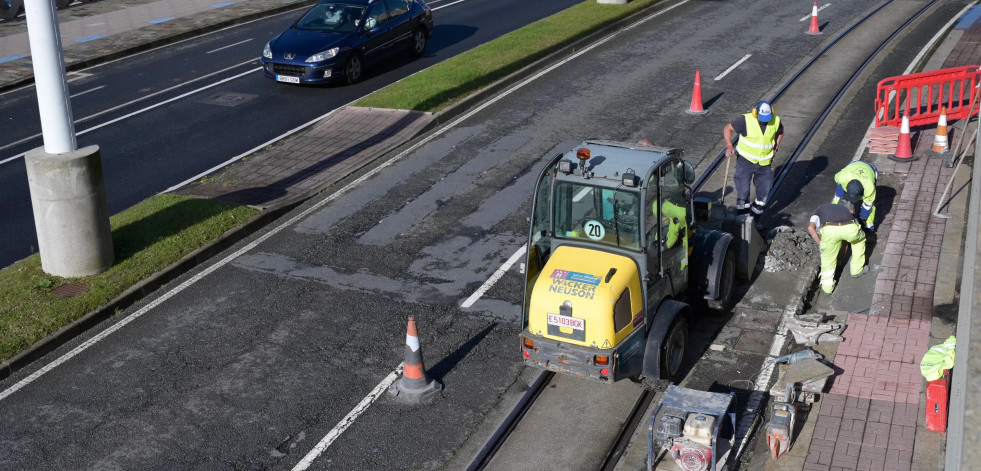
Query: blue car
[[339, 39]]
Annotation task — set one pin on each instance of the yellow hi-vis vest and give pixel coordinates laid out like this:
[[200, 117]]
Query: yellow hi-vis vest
[[757, 146]]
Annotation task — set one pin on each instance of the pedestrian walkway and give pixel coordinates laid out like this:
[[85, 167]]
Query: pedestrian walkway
[[872, 418], [103, 30]]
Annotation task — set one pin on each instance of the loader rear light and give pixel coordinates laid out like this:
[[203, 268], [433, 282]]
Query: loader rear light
[[529, 344], [602, 360], [526, 354], [605, 372]]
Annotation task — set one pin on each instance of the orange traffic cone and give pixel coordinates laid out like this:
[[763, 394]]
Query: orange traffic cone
[[904, 150], [940, 141], [696, 96], [815, 29], [414, 385]]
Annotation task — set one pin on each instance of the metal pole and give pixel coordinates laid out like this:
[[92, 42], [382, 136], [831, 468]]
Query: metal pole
[[963, 429], [49, 77]]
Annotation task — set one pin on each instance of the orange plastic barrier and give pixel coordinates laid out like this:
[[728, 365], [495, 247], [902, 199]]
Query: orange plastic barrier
[[920, 96]]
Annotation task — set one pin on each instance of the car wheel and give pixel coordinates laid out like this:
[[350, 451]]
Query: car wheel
[[9, 12], [673, 349], [727, 283], [418, 42], [353, 68]]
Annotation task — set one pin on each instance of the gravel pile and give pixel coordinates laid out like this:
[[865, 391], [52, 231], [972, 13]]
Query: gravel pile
[[790, 249]]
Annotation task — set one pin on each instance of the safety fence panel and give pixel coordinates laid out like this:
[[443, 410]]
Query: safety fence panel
[[920, 96]]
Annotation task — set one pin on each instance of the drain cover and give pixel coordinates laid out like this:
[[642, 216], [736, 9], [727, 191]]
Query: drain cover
[[70, 290], [228, 98]]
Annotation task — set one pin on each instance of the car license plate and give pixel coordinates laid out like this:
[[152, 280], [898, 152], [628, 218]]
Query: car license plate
[[287, 79], [568, 322]]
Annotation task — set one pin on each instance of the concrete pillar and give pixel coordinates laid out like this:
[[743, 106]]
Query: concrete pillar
[[70, 211]]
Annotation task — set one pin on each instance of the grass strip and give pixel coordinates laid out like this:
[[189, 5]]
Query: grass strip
[[443, 84], [146, 239]]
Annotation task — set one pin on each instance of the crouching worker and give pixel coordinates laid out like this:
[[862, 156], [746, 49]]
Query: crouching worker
[[831, 225], [856, 184]]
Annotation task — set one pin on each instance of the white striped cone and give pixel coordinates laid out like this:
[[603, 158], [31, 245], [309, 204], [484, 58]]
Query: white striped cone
[[414, 385], [940, 141]]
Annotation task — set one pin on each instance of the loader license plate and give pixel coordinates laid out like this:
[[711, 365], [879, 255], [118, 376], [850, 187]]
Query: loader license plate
[[568, 322]]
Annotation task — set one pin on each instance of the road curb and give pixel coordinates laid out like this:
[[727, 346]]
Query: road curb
[[140, 290], [193, 259]]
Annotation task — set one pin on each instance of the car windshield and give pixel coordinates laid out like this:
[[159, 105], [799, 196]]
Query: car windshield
[[594, 214], [331, 18]]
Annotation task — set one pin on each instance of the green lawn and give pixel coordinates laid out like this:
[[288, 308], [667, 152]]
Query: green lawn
[[147, 238], [159, 231]]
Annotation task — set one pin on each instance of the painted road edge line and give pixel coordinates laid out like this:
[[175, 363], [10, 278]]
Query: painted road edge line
[[493, 278], [348, 419]]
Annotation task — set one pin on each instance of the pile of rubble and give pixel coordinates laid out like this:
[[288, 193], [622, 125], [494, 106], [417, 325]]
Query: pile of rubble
[[790, 249]]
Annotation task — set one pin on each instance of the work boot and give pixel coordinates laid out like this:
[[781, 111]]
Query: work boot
[[865, 270], [828, 288]]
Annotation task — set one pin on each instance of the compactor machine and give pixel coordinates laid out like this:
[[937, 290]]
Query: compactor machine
[[615, 250]]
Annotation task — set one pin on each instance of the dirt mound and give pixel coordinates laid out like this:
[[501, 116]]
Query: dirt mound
[[790, 249]]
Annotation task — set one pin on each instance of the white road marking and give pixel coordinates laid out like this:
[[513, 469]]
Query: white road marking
[[826, 5], [328, 199], [87, 91], [733, 67], [448, 4], [79, 133], [228, 46], [73, 76], [493, 279], [348, 420]]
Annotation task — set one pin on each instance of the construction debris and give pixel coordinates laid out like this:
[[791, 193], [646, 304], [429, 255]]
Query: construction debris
[[790, 250], [810, 330]]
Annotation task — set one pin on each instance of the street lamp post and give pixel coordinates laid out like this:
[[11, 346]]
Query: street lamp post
[[67, 187]]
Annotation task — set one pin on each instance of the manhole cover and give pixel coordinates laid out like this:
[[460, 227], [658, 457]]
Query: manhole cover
[[70, 290], [228, 99]]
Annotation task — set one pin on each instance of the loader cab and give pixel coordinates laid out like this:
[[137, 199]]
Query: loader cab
[[608, 242]]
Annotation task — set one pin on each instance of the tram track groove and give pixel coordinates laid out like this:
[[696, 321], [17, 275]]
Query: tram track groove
[[643, 400]]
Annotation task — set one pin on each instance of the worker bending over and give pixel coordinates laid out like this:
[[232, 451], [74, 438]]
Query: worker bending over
[[856, 184], [831, 225]]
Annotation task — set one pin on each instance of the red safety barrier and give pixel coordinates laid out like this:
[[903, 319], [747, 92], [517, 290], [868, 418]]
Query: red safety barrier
[[921, 96]]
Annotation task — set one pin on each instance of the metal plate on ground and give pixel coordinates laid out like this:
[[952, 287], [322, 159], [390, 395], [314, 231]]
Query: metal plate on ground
[[228, 98]]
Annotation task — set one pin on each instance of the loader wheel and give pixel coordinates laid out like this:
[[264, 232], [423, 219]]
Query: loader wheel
[[727, 283], [673, 349]]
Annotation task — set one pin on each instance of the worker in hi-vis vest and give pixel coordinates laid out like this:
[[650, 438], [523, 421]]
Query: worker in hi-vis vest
[[760, 133], [856, 184], [830, 226]]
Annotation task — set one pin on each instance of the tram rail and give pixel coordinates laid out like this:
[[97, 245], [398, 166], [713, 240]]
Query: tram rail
[[646, 397]]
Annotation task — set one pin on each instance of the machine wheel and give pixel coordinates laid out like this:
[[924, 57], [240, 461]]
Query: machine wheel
[[727, 283], [353, 68], [418, 42], [673, 349]]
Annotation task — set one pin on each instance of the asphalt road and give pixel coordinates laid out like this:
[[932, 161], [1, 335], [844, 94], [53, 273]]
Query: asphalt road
[[168, 115], [249, 362]]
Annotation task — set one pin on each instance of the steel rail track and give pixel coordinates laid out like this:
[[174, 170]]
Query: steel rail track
[[646, 397], [502, 433], [785, 167]]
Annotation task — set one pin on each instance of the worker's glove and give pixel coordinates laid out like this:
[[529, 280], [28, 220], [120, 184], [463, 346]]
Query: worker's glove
[[871, 229]]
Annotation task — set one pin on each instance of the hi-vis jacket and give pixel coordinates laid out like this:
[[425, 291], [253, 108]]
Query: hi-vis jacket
[[866, 175], [757, 146]]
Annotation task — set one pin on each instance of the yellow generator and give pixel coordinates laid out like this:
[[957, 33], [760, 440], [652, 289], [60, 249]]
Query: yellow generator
[[613, 251]]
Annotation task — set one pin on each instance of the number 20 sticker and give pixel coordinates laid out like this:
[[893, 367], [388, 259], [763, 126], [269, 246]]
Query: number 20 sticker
[[594, 230]]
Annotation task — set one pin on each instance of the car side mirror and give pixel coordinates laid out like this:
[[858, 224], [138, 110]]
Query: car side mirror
[[370, 24]]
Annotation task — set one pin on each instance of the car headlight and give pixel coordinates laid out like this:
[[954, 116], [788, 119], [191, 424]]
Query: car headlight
[[322, 56], [267, 52]]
